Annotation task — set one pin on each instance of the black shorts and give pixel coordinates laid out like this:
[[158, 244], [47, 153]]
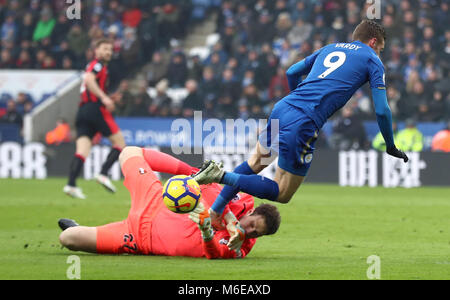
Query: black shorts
[[93, 118]]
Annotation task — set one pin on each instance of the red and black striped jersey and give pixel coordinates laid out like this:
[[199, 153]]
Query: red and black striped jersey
[[101, 74]]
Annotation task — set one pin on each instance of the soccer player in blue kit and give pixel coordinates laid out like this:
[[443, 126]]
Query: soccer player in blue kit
[[334, 73]]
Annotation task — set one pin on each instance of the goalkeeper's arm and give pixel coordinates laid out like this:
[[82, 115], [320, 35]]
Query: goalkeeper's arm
[[212, 246]]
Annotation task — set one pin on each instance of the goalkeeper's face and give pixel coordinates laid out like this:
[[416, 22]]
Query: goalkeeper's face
[[263, 220], [254, 225]]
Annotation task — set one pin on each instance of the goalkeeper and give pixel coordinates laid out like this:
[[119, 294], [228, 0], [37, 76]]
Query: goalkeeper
[[151, 229]]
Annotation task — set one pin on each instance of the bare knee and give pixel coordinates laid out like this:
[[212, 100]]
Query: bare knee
[[70, 238], [128, 152], [258, 162], [79, 238], [83, 146], [118, 140]]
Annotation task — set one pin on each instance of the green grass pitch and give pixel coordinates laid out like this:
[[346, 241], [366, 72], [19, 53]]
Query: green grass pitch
[[327, 232]]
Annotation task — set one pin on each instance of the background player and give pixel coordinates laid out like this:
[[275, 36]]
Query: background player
[[335, 72], [152, 229], [94, 116]]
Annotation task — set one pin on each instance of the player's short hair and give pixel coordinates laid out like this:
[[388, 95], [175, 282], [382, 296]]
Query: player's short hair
[[367, 30], [102, 41], [271, 216]]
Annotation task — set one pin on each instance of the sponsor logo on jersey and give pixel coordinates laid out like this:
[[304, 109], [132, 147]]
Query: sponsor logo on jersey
[[98, 67]]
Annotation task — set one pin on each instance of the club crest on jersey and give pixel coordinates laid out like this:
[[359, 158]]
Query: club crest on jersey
[[142, 171], [308, 158], [236, 198], [98, 67]]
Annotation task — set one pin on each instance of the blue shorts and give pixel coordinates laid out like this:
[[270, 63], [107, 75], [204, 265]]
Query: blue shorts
[[291, 134]]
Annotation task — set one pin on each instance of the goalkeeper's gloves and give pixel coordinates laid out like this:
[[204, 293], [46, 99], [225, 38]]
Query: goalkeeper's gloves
[[397, 153], [237, 233], [200, 215], [216, 220]]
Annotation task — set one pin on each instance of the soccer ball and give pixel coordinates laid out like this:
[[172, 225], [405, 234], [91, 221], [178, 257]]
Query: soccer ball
[[181, 194]]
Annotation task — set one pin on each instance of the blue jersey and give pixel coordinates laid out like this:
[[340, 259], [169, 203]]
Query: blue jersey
[[336, 72]]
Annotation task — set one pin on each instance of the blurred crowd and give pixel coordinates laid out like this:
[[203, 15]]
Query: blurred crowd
[[244, 74], [38, 34]]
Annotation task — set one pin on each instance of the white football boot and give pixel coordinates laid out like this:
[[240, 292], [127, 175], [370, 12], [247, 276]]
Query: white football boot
[[74, 192], [106, 182]]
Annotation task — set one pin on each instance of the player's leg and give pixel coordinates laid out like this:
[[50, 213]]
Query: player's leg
[[158, 161], [120, 237], [129, 152], [85, 132], [83, 148], [256, 185], [259, 159], [109, 128], [257, 162], [280, 189], [139, 177], [146, 195], [113, 238], [296, 154], [293, 165], [79, 238], [165, 163], [118, 143], [295, 141], [288, 184]]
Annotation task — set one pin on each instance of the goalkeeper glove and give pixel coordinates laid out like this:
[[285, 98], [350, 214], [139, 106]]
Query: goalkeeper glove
[[237, 233], [216, 220], [397, 153], [200, 215]]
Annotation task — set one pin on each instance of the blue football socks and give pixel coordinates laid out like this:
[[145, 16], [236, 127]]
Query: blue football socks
[[256, 185], [229, 192]]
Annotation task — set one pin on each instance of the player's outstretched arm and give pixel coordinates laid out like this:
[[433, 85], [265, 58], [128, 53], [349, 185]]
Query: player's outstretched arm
[[213, 249], [294, 74], [384, 119], [296, 71], [237, 233], [200, 216]]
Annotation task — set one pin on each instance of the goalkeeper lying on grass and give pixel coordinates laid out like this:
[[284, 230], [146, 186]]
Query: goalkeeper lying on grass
[[151, 229]]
